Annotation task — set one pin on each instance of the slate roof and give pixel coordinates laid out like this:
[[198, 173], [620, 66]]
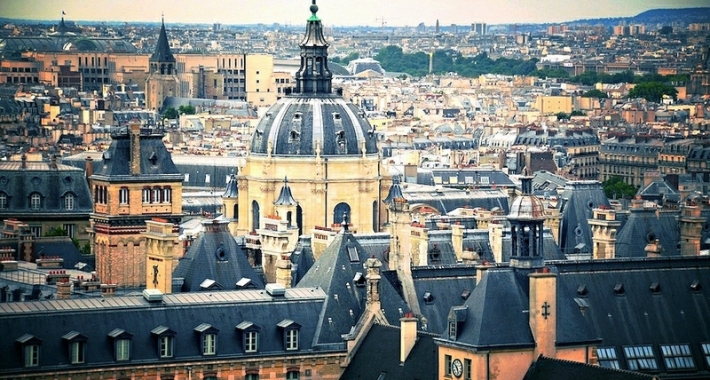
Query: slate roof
[[497, 294], [645, 225], [214, 255], [231, 191], [334, 272], [156, 162], [630, 302], [285, 197], [576, 205], [545, 368], [468, 177], [97, 317], [53, 185], [162, 51], [446, 200], [379, 354], [446, 287], [296, 124], [302, 259]]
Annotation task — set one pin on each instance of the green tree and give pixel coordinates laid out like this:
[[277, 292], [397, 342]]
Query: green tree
[[653, 91], [562, 116], [171, 113], [615, 187], [56, 231], [187, 110], [349, 57], [577, 113], [595, 94]]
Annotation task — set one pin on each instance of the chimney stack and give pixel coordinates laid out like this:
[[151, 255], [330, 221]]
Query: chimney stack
[[24, 161], [408, 336], [89, 163], [543, 311], [135, 149], [64, 290]]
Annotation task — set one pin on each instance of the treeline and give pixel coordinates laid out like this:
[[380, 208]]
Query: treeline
[[393, 59]]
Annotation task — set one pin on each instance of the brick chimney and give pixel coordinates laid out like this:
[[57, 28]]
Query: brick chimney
[[654, 249], [135, 149], [64, 290], [408, 336], [283, 271], [89, 162]]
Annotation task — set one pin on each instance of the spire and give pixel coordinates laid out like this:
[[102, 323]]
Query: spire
[[394, 193], [285, 197], [162, 49], [314, 77], [231, 191]]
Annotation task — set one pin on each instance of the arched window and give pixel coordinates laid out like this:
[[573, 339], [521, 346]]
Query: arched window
[[375, 217], [35, 201], [69, 202], [254, 215], [339, 212], [236, 212], [299, 219]]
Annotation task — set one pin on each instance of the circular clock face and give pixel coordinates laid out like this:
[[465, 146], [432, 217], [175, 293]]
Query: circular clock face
[[456, 367]]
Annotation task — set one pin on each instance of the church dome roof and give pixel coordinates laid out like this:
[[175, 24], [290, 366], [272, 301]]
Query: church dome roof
[[527, 207], [308, 125], [313, 120]]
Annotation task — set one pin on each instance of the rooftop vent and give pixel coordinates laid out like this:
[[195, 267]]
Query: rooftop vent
[[655, 287], [428, 297], [619, 289], [153, 295], [243, 282], [582, 290], [275, 290], [696, 286]]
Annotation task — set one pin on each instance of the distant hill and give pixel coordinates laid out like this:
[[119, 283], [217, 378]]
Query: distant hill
[[655, 16]]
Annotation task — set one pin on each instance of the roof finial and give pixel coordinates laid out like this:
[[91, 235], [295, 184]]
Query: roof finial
[[314, 10]]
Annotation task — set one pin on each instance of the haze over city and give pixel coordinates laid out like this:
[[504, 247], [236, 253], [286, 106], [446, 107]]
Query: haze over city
[[336, 12]]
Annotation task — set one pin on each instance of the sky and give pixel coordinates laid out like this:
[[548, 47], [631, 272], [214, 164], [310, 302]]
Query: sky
[[335, 12]]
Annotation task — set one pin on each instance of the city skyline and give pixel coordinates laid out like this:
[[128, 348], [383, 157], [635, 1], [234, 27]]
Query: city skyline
[[337, 12]]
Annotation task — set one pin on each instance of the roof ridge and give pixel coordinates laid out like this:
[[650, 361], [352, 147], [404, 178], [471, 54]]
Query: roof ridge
[[619, 370]]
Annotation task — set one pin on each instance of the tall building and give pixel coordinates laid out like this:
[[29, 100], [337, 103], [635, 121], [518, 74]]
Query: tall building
[[325, 148], [137, 182], [162, 76]]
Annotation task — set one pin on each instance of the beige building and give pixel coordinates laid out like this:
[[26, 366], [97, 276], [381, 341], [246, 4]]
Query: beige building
[[550, 105]]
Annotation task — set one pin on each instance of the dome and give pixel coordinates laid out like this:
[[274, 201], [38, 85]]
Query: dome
[[305, 125], [527, 207], [313, 121]]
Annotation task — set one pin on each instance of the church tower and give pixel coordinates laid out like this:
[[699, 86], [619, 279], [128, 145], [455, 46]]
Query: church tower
[[230, 204], [323, 143], [137, 182], [162, 79]]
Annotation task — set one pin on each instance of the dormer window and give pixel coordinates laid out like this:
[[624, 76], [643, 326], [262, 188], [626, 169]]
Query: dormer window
[[30, 350], [290, 331], [121, 344], [153, 158], [166, 341], [69, 201], [77, 346], [297, 116], [35, 201], [452, 330], [208, 335], [3, 201], [250, 336]]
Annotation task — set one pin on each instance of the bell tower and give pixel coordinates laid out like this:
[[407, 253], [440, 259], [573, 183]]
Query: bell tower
[[162, 79], [527, 216]]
